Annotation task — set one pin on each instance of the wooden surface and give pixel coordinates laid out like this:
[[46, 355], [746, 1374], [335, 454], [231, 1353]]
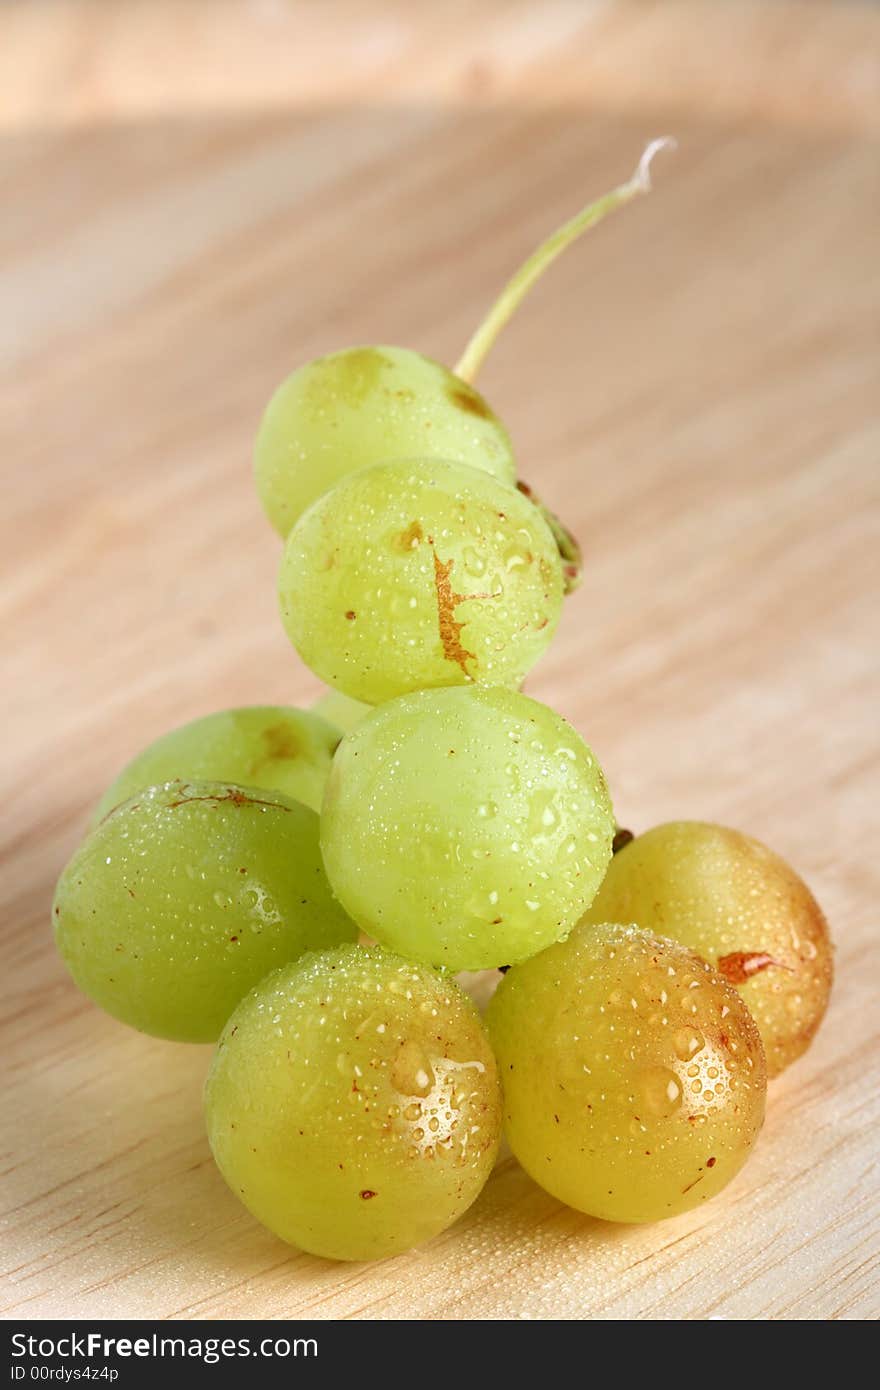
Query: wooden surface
[[198, 197]]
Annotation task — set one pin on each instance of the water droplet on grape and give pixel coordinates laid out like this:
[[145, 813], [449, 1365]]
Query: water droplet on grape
[[661, 1091], [411, 1070], [686, 1042], [474, 562]]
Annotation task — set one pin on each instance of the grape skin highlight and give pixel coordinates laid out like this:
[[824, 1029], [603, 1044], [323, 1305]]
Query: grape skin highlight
[[634, 1077], [466, 827], [743, 909], [362, 406], [269, 746], [353, 1103], [419, 574], [185, 896]]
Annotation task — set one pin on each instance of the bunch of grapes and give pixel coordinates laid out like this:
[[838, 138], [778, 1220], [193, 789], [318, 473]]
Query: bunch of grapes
[[304, 885]]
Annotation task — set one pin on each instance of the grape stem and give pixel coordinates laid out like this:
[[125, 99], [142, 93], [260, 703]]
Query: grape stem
[[531, 270]]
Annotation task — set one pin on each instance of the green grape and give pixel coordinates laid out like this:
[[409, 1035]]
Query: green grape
[[466, 827], [634, 1076], [268, 746], [418, 574], [341, 711], [353, 1103], [362, 406], [185, 896], [743, 909]]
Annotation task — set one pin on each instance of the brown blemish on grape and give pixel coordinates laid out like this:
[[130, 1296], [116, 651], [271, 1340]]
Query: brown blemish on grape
[[692, 1184], [622, 838], [358, 370], [447, 602], [739, 966], [410, 538], [469, 400], [114, 809], [710, 1162], [366, 1194], [234, 795], [281, 742], [351, 615], [233, 938]]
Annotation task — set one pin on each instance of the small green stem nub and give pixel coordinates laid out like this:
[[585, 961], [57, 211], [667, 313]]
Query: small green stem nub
[[567, 544], [521, 282]]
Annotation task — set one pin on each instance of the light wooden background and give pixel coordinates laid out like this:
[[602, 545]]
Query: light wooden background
[[196, 197]]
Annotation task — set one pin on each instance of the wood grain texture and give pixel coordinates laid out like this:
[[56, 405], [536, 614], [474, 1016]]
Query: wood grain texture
[[197, 197]]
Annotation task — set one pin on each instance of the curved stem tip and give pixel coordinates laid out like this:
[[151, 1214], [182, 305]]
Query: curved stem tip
[[531, 270]]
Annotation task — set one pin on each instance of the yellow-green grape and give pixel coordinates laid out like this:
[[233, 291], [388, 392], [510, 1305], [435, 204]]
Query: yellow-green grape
[[366, 405], [341, 711], [269, 746], [742, 908], [353, 1103], [185, 896], [420, 574], [466, 827], [634, 1077]]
